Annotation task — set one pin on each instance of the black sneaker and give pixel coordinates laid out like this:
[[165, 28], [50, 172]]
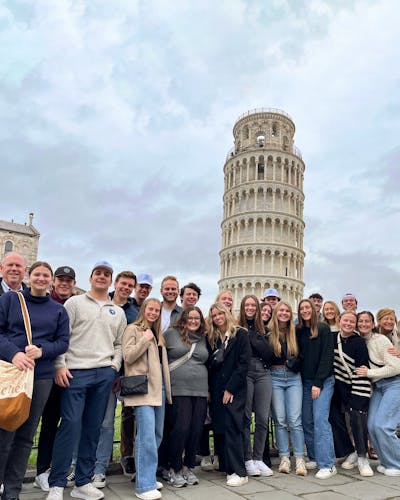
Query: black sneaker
[[128, 466]]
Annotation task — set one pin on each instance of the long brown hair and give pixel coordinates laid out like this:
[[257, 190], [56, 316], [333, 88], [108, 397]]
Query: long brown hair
[[142, 324], [181, 323], [277, 335], [313, 321], [258, 322]]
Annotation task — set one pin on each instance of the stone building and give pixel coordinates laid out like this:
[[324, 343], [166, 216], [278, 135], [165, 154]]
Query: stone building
[[22, 238], [263, 226]]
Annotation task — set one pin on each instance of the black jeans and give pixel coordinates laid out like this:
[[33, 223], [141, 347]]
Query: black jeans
[[15, 447], [186, 416], [359, 428]]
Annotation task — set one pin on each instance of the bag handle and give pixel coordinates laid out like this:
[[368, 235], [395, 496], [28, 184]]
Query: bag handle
[[182, 360], [25, 315], [340, 350]]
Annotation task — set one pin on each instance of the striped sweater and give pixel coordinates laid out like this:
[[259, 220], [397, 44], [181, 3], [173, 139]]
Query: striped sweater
[[353, 391]]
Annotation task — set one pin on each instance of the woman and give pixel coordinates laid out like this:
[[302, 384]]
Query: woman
[[50, 338], [225, 297], [351, 396], [387, 325], [266, 313], [228, 365], [316, 350], [144, 353], [331, 315], [383, 413], [187, 356], [259, 386], [286, 388]]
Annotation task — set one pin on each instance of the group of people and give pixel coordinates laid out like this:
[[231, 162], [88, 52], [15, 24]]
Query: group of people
[[330, 379]]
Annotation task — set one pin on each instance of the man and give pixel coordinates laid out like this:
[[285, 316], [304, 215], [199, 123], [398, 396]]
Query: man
[[63, 285], [317, 300], [63, 289], [86, 372], [271, 297], [170, 311], [12, 268], [143, 288], [190, 295], [124, 285], [349, 302]]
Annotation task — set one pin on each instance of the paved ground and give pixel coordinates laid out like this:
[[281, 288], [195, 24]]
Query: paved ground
[[346, 484]]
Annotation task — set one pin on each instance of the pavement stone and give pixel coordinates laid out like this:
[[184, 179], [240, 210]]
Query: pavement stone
[[346, 484]]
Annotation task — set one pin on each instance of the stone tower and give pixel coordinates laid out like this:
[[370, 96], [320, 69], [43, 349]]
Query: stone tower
[[263, 227]]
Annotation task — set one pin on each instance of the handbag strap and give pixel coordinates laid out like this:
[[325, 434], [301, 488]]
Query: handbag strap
[[25, 315], [340, 349], [182, 360]]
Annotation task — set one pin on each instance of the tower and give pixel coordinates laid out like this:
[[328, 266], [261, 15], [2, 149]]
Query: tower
[[263, 226]]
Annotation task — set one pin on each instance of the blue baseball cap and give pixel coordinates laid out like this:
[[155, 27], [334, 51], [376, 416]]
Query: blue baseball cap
[[104, 264], [144, 279]]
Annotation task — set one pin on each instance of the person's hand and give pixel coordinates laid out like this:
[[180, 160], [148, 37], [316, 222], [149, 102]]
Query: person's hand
[[227, 397], [62, 377], [315, 392], [394, 352], [33, 351], [362, 371], [22, 361], [116, 387], [148, 334]]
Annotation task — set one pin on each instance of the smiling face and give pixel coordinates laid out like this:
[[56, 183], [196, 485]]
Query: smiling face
[[329, 313], [123, 289], [13, 269], [193, 321], [347, 323], [152, 312], [365, 323], [266, 312], [250, 308], [349, 304], [305, 311], [226, 299], [169, 291], [386, 323], [40, 280], [101, 279], [219, 319], [283, 314], [64, 286], [189, 297]]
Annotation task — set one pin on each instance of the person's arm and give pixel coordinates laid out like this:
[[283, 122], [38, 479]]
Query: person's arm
[[135, 343], [238, 376], [325, 364], [117, 358]]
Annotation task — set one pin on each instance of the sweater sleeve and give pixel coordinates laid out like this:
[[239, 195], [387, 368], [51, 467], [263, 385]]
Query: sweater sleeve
[[378, 353], [60, 342], [238, 377], [117, 358], [134, 344], [7, 348], [325, 365]]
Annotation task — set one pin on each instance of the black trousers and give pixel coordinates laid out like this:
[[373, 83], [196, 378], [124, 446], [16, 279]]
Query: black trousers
[[127, 430], [50, 420], [186, 418], [358, 424]]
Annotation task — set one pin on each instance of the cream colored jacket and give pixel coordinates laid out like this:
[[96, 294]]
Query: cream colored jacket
[[141, 358]]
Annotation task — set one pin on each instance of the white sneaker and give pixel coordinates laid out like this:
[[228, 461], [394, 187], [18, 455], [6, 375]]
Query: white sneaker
[[392, 472], [364, 467], [326, 473], [251, 468], [311, 464], [263, 468], [99, 480], [235, 480], [149, 495], [206, 463], [87, 492], [351, 461], [159, 486], [42, 481], [55, 493], [381, 469]]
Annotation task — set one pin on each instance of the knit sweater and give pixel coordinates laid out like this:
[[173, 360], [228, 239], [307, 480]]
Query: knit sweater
[[316, 354], [191, 378], [96, 334], [382, 364], [49, 324], [353, 390]]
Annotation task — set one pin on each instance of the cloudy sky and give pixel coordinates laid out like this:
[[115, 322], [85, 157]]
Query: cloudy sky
[[116, 118]]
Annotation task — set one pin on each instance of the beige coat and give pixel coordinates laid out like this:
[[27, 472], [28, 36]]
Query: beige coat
[[141, 358]]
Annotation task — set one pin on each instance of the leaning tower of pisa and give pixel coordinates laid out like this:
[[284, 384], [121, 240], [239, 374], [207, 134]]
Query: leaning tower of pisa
[[263, 226]]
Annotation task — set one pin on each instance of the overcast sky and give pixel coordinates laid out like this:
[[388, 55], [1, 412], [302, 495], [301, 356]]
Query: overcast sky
[[116, 117]]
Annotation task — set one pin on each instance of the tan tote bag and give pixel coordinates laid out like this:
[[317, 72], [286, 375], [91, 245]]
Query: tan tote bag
[[16, 386]]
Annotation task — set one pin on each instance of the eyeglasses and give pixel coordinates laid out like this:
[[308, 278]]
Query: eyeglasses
[[194, 319]]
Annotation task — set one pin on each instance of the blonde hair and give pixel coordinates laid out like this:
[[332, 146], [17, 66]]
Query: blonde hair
[[337, 312], [143, 325], [213, 332], [277, 335], [217, 298], [386, 311]]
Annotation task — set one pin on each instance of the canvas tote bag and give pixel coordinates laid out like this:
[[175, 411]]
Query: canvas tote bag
[[16, 386]]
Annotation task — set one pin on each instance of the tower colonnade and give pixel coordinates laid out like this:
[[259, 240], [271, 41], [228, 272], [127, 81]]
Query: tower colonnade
[[263, 226]]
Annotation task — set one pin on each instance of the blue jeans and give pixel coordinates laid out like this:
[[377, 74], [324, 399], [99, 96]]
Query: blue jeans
[[150, 425], [106, 439], [83, 405], [383, 418], [287, 395], [316, 426]]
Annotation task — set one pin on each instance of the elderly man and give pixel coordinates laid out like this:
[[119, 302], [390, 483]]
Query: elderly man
[[12, 268]]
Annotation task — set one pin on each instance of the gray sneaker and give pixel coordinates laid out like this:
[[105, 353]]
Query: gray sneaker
[[176, 479], [190, 477]]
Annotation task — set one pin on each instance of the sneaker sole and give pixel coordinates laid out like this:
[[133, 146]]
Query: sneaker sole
[[348, 466], [75, 494], [99, 485]]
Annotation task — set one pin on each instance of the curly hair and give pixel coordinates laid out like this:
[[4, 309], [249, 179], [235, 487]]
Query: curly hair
[[182, 321]]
